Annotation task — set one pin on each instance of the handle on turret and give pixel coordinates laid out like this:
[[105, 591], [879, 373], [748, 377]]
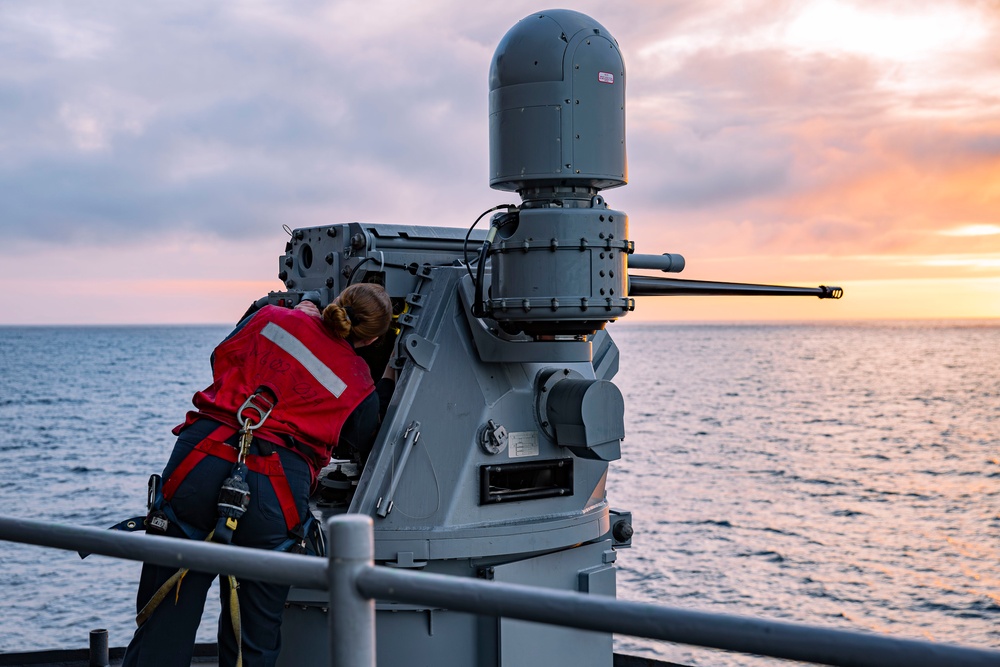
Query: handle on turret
[[314, 296]]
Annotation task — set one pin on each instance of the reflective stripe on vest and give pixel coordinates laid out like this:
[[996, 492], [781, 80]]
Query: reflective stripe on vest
[[302, 354]]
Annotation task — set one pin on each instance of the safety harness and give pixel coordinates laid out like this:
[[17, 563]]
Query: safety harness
[[215, 445], [234, 497]]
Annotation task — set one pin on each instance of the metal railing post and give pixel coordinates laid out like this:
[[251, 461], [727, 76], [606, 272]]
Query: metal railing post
[[351, 545]]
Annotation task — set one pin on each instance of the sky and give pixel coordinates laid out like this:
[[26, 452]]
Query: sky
[[150, 153]]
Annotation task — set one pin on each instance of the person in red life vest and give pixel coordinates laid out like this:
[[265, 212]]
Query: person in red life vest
[[303, 363]]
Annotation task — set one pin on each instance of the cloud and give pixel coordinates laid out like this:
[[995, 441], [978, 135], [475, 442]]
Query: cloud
[[228, 119], [749, 135], [780, 151]]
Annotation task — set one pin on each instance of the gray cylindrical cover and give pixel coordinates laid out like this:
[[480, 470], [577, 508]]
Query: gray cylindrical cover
[[586, 413], [557, 105]]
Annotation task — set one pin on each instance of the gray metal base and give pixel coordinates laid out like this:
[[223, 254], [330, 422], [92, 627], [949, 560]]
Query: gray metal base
[[411, 636]]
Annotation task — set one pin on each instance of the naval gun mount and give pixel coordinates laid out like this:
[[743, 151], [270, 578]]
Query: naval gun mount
[[492, 458]]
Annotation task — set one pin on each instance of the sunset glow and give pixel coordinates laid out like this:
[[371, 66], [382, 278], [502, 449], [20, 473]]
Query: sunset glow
[[817, 142], [886, 32]]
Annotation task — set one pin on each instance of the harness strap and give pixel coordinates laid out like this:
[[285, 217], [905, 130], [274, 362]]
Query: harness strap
[[195, 457], [214, 445]]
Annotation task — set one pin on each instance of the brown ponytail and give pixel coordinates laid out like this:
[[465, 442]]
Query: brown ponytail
[[360, 312]]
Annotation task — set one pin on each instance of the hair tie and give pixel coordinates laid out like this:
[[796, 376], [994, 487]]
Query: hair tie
[[350, 315]]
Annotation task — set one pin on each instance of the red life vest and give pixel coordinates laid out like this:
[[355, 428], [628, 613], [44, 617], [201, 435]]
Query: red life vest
[[317, 378]]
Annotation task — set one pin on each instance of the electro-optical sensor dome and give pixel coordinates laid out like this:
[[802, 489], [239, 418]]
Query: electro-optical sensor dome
[[557, 105]]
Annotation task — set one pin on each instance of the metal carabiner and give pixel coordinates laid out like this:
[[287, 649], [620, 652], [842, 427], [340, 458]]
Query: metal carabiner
[[245, 424]]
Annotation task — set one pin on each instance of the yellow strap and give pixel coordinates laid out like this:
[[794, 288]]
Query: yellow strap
[[159, 595], [234, 613], [177, 591], [176, 579]]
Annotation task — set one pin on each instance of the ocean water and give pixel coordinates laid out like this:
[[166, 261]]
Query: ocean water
[[843, 475]]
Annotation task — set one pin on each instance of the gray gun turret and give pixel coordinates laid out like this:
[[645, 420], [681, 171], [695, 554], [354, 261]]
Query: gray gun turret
[[493, 456]]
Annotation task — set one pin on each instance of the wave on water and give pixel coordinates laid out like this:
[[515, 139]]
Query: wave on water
[[837, 475]]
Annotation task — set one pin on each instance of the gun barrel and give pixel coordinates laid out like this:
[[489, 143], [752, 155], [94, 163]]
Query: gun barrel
[[650, 286]]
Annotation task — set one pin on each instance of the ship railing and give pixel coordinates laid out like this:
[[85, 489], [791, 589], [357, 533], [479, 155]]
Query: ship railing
[[354, 582]]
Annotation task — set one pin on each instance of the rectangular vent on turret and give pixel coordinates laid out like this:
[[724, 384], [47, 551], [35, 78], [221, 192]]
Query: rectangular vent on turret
[[525, 481]]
